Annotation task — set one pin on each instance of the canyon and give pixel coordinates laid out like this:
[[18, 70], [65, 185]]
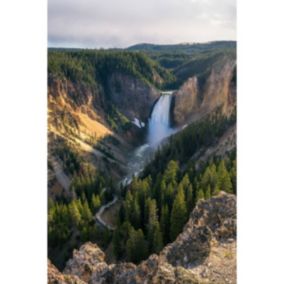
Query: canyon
[[110, 113]]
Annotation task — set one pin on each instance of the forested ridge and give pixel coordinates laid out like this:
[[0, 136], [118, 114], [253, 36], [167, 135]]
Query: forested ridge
[[95, 66]]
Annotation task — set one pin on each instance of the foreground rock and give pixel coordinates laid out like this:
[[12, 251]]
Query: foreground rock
[[205, 252], [56, 277]]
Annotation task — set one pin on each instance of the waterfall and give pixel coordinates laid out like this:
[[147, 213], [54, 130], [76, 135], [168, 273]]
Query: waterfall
[[158, 129], [159, 123]]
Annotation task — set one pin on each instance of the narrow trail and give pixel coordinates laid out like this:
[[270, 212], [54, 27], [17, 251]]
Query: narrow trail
[[98, 215]]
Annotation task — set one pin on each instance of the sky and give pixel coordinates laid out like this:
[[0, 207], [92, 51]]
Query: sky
[[122, 23]]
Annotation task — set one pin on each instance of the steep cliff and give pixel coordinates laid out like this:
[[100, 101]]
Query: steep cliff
[[211, 88], [132, 96], [93, 99], [205, 252]]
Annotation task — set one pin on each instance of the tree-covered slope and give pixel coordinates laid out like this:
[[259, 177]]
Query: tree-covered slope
[[94, 66], [186, 48], [156, 206]]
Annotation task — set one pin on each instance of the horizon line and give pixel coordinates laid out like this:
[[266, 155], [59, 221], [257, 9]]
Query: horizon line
[[144, 43]]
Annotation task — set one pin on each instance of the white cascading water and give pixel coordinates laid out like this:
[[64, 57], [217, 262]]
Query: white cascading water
[[158, 129], [159, 123]]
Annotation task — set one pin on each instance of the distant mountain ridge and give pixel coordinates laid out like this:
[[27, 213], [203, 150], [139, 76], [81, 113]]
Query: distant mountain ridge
[[182, 47]]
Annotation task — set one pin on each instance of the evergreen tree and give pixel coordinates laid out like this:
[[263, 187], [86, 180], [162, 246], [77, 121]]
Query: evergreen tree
[[136, 214], [233, 175], [206, 178], [128, 205], [224, 180], [200, 194], [170, 174], [86, 212], [165, 223], [189, 199], [169, 195], [74, 213], [157, 238], [216, 190], [213, 179], [178, 215], [136, 246], [96, 202], [153, 228], [117, 245], [184, 184], [207, 194]]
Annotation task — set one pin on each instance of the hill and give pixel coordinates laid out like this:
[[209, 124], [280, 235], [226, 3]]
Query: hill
[[187, 48]]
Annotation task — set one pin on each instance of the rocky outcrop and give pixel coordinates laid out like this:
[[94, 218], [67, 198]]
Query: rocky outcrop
[[132, 96], [195, 99], [56, 277], [205, 252], [186, 101]]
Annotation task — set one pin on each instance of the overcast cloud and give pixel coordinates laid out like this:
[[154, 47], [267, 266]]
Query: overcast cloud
[[121, 23]]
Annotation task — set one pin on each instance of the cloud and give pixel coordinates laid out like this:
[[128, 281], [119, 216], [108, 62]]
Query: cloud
[[120, 23]]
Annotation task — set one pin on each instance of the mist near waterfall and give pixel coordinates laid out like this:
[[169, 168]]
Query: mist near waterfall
[[159, 122], [158, 129]]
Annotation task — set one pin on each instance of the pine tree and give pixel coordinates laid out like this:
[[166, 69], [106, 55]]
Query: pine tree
[[128, 205], [157, 239], [189, 199], [74, 213], [96, 202], [153, 228], [117, 245], [86, 213], [216, 190], [206, 178], [170, 174], [136, 246], [184, 184], [207, 194], [169, 195], [233, 175], [165, 223], [178, 215], [136, 214], [213, 181], [224, 181], [200, 194], [163, 190]]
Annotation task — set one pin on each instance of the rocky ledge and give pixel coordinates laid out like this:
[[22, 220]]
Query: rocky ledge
[[205, 252]]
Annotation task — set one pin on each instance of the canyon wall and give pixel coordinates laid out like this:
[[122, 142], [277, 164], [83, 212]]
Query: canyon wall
[[201, 95]]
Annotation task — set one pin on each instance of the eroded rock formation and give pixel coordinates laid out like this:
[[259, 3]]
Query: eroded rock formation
[[193, 100], [205, 252]]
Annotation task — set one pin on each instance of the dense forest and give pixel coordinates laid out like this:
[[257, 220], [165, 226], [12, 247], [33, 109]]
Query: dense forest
[[155, 210], [71, 219], [157, 206], [95, 66]]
